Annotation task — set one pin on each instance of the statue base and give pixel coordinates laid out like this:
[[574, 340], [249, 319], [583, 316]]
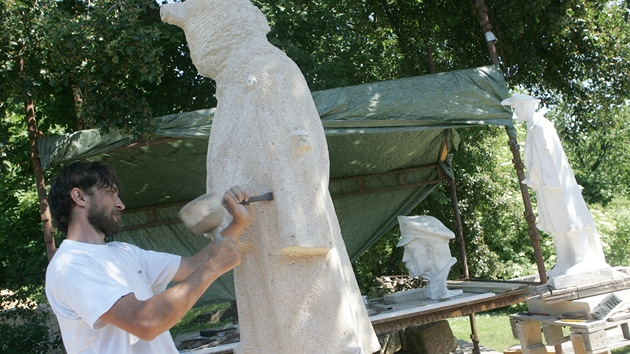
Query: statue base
[[583, 278], [578, 308]]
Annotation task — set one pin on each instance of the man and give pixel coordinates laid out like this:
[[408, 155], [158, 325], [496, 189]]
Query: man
[[112, 297]]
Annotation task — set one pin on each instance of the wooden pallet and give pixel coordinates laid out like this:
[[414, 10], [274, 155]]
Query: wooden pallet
[[586, 336]]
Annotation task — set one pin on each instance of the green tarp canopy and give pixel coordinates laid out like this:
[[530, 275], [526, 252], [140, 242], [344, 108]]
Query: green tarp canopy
[[388, 143]]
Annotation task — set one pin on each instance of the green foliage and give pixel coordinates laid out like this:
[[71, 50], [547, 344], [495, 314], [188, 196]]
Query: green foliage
[[189, 322], [491, 207], [118, 54], [613, 224], [598, 150], [339, 43], [24, 326], [572, 48], [129, 66], [382, 258], [23, 254]]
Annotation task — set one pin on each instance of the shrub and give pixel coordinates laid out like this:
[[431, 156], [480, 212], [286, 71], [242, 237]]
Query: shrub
[[24, 326]]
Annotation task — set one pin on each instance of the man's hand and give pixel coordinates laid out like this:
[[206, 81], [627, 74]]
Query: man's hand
[[239, 212]]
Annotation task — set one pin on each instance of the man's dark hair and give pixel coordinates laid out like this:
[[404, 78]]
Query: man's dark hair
[[82, 175]]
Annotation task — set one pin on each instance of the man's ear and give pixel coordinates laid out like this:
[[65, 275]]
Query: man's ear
[[78, 196]]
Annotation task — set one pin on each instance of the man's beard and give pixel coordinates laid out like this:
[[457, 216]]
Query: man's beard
[[103, 222]]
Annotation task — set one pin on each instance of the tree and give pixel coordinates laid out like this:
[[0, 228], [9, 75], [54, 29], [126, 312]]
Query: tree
[[23, 256], [113, 64], [108, 64]]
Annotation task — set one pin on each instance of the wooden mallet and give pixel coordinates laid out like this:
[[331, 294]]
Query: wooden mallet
[[206, 212]]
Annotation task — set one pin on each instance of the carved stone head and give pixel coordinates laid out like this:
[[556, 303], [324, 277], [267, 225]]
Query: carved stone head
[[215, 28]]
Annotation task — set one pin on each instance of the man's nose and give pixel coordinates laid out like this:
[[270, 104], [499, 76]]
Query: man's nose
[[119, 204]]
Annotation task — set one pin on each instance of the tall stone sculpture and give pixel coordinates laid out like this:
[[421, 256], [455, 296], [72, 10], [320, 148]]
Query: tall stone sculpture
[[427, 253], [296, 290], [562, 211]]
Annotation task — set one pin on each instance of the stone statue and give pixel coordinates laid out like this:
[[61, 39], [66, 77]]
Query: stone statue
[[427, 253], [296, 290], [562, 211]]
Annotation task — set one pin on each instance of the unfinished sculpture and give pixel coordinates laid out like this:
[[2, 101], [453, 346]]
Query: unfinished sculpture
[[562, 211], [296, 291], [427, 253]]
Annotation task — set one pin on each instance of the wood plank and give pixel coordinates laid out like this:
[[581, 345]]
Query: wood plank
[[583, 291], [495, 287], [420, 309]]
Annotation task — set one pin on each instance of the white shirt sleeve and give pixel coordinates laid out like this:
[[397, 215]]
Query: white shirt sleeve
[[159, 268]]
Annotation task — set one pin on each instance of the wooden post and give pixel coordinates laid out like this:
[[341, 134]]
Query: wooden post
[[462, 245], [486, 27], [40, 182], [77, 96], [529, 212], [458, 228], [430, 61], [529, 335]]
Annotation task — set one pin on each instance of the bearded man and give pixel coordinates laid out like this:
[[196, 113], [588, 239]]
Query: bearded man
[[112, 297]]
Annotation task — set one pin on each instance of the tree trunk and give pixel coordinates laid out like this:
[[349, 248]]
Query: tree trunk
[[39, 173]]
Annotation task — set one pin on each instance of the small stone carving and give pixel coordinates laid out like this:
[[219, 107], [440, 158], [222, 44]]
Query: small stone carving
[[295, 287], [427, 253], [562, 211]]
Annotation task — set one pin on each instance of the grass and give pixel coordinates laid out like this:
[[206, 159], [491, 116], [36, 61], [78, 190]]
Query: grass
[[189, 323], [493, 330]]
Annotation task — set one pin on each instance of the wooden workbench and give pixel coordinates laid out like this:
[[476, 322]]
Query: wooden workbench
[[478, 297]]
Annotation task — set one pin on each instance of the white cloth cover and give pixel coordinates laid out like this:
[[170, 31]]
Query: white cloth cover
[[296, 291], [83, 281]]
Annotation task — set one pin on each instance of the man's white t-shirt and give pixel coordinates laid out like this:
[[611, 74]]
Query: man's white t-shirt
[[83, 281]]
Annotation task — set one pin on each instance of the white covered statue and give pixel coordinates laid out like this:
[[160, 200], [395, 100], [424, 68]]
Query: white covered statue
[[295, 287], [562, 211], [427, 253]]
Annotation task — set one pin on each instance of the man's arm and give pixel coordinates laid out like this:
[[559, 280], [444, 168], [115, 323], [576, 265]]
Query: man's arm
[[149, 318], [190, 264]]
